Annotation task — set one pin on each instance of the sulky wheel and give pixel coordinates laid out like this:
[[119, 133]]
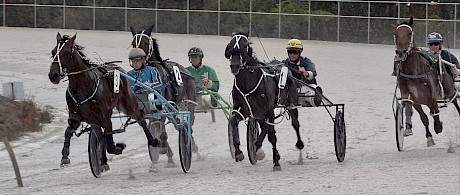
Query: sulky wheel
[[399, 126], [155, 127], [185, 148], [230, 140], [252, 135], [340, 136], [95, 150]]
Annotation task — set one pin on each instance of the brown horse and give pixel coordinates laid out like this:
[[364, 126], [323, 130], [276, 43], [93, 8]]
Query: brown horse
[[90, 97], [420, 82]]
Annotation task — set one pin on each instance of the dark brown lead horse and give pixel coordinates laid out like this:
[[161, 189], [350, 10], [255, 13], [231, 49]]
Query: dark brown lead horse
[[90, 97], [421, 83]]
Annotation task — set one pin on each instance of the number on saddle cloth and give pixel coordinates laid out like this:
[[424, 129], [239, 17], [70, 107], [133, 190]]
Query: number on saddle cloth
[[283, 77]]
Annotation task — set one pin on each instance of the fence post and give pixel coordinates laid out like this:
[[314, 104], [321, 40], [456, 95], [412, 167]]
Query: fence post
[[13, 161]]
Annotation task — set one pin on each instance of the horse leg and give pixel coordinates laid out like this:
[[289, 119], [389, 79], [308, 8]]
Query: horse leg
[[294, 113], [112, 148], [272, 138], [424, 118], [66, 149], [434, 111], [74, 122], [408, 111], [234, 121], [260, 154]]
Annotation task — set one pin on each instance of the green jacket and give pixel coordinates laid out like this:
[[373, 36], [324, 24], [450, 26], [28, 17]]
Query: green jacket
[[203, 70]]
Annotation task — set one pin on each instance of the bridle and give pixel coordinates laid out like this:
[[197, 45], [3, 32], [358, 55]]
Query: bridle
[[57, 59], [411, 43], [138, 39], [63, 66], [242, 63]]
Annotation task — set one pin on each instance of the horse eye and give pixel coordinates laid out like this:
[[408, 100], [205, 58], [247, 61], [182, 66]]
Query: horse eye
[[66, 53]]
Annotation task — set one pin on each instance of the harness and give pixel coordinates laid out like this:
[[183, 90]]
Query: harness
[[56, 59], [261, 78]]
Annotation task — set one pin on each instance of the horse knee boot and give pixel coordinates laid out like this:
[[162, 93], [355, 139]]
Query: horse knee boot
[[437, 127]]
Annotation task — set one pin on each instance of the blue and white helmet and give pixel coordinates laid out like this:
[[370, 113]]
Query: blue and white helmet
[[434, 37]]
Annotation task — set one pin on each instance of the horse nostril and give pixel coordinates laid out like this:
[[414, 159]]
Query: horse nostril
[[53, 76]]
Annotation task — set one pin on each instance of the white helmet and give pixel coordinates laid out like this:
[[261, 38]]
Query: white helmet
[[434, 37], [136, 53]]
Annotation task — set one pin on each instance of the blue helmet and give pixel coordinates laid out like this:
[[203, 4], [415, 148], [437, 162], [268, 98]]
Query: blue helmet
[[434, 37]]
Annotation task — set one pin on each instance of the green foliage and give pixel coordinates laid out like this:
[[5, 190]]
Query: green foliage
[[293, 7], [321, 12], [434, 17]]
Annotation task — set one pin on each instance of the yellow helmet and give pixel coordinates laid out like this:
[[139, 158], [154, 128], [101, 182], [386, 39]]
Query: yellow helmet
[[294, 44]]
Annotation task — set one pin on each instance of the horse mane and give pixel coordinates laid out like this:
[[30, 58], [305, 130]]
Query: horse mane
[[156, 50], [79, 49]]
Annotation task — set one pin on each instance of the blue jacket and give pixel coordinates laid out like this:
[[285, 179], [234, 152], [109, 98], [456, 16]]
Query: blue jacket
[[147, 74]]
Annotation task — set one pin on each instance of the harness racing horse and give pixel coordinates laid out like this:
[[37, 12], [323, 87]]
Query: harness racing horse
[[420, 82], [182, 94], [90, 97], [254, 96]]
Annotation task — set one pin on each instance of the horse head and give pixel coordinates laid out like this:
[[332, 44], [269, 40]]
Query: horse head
[[62, 55], [143, 39], [404, 40], [239, 52]]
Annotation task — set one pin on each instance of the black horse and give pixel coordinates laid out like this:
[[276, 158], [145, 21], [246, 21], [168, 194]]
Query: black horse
[[255, 95], [90, 97], [182, 93]]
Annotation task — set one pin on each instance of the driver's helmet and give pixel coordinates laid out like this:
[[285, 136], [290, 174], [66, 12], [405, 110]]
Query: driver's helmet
[[195, 51], [136, 53], [294, 44], [434, 37]]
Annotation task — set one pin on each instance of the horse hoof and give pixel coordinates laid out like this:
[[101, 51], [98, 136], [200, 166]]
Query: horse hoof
[[113, 149], [194, 148], [153, 168], [153, 143], [438, 127], [171, 163], [277, 168], [105, 168], [120, 145], [408, 132], [260, 154], [430, 142], [239, 157], [299, 145], [161, 150], [65, 162]]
